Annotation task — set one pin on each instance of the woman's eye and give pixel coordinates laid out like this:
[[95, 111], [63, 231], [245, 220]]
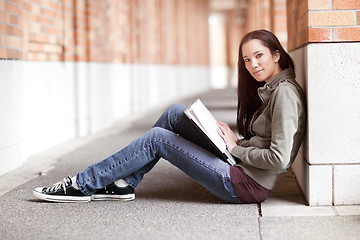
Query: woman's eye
[[246, 60], [259, 55]]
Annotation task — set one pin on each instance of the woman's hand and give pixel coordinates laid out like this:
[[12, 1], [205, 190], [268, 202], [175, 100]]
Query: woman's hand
[[227, 135]]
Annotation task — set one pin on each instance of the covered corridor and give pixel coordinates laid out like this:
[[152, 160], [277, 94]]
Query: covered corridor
[[72, 71]]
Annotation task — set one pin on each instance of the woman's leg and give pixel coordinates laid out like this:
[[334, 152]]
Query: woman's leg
[[200, 164], [175, 120]]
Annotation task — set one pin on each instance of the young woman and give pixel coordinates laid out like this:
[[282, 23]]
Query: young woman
[[271, 117]]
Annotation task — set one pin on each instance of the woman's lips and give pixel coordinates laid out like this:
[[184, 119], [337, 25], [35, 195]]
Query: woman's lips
[[257, 72]]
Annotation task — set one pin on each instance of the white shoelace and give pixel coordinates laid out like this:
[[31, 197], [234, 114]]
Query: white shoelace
[[65, 182]]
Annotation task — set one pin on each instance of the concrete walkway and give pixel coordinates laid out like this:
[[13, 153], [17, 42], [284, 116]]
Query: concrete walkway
[[168, 205]]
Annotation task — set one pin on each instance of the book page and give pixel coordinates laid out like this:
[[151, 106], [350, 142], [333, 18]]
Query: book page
[[192, 116], [208, 123]]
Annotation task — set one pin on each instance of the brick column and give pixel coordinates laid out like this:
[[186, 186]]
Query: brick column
[[270, 15], [278, 20], [324, 40], [130, 31]]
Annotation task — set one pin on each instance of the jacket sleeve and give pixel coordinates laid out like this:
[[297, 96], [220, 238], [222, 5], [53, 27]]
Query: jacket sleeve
[[285, 107], [243, 142]]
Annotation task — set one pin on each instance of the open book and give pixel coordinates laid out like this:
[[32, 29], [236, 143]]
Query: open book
[[202, 117]]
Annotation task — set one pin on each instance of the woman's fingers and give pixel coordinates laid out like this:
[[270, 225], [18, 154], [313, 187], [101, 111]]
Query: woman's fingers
[[223, 126], [221, 123], [227, 134]]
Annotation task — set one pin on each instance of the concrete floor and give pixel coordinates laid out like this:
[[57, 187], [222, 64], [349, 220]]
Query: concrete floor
[[168, 205]]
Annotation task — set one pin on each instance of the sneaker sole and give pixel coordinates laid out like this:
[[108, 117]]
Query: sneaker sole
[[64, 199], [104, 197]]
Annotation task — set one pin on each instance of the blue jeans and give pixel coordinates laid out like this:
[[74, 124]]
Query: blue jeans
[[174, 138]]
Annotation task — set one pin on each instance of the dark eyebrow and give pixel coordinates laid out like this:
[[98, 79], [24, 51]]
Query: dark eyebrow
[[254, 53]]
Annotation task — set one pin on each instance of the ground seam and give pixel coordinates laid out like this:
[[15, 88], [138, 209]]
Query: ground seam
[[259, 218]]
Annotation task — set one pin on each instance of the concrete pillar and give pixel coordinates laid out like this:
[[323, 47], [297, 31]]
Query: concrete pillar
[[324, 40]]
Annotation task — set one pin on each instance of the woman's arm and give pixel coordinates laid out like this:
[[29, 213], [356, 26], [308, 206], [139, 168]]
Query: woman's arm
[[286, 108]]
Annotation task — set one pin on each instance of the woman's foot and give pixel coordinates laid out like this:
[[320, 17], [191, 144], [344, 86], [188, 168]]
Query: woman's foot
[[114, 192], [61, 192], [67, 191]]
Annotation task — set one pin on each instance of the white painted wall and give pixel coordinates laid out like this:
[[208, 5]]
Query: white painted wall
[[328, 167], [220, 74], [11, 108], [43, 104]]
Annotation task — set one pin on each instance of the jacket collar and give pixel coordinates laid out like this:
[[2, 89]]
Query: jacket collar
[[265, 91]]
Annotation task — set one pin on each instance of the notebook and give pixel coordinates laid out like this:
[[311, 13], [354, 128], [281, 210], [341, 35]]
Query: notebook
[[205, 121]]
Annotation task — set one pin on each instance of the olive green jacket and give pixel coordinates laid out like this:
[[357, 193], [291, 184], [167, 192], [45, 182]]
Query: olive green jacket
[[278, 128]]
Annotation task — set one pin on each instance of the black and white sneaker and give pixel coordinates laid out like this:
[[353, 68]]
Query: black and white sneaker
[[61, 192], [114, 192]]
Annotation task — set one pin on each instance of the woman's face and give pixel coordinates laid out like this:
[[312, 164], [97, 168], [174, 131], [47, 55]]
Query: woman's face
[[259, 61]]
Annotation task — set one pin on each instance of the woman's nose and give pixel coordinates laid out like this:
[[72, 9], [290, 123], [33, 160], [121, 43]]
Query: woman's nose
[[254, 63]]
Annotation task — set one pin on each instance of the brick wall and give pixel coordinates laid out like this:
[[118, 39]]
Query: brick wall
[[279, 21], [258, 15], [130, 31], [270, 15], [322, 21]]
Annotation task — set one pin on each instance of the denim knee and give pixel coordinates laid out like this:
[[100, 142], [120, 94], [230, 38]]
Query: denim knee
[[157, 132], [176, 109]]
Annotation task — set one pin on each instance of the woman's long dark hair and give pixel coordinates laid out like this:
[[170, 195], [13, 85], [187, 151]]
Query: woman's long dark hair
[[248, 99]]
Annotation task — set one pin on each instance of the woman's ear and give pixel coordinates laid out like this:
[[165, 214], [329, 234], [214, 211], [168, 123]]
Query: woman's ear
[[276, 56]]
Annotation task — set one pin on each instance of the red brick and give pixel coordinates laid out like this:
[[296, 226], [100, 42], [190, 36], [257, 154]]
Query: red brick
[[2, 29], [319, 4], [346, 34], [35, 47], [11, 7], [26, 6], [14, 19], [319, 34], [331, 18], [32, 37], [3, 17], [10, 30], [2, 5], [301, 38], [43, 20], [19, 32], [346, 4], [3, 53], [35, 1], [13, 54]]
